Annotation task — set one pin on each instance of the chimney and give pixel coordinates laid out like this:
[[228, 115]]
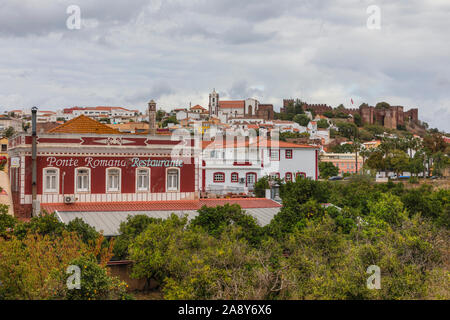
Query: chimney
[[152, 117]]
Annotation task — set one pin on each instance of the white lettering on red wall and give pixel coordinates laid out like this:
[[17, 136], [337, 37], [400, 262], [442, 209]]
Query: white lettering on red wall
[[94, 163]]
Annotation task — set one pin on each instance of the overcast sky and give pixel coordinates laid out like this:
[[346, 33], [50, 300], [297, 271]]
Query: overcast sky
[[177, 51]]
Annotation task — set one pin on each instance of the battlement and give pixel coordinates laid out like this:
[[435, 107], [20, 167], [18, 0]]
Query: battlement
[[391, 117]]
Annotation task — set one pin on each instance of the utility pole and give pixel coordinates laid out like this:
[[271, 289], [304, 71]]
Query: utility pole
[[35, 204], [356, 146]]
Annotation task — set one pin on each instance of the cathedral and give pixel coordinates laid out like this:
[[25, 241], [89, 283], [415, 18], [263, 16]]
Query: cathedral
[[245, 109]]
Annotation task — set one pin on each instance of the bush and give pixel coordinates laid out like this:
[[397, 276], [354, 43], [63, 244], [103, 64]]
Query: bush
[[215, 220], [96, 284], [129, 230], [413, 180]]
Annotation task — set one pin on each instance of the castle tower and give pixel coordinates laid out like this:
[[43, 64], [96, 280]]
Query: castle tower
[[213, 103], [152, 117]]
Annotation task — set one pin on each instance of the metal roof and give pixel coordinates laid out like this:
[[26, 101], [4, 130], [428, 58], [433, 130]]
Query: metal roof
[[109, 222]]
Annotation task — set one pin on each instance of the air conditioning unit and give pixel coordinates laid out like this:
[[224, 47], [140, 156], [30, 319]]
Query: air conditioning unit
[[242, 180], [69, 199]]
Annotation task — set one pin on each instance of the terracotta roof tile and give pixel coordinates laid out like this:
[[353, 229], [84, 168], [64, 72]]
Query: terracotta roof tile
[[83, 124], [232, 104]]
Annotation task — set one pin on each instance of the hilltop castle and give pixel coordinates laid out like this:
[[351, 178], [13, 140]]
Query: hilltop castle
[[390, 117]]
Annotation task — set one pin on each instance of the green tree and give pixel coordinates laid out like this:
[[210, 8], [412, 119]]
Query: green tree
[[261, 186], [357, 119], [160, 114], [388, 208], [9, 132], [96, 284], [376, 161], [382, 105], [398, 161], [328, 169], [298, 107], [87, 233], [347, 129], [301, 119], [171, 119], [215, 220], [322, 123], [7, 221], [129, 230]]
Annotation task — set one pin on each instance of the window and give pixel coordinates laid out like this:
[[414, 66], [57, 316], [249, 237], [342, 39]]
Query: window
[[172, 179], [274, 154], [4, 147], [300, 175], [82, 180], [250, 179], [275, 175], [142, 180], [288, 176], [51, 180], [235, 177], [113, 180], [288, 154], [219, 177]]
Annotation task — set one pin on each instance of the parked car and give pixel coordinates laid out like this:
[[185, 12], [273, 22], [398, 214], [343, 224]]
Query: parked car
[[335, 178]]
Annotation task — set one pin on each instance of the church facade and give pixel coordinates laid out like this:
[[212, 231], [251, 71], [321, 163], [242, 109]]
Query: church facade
[[232, 109]]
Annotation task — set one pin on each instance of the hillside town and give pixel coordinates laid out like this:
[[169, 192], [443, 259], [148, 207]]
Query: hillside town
[[189, 154], [235, 168], [235, 159]]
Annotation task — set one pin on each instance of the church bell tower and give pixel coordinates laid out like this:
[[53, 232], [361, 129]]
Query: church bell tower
[[213, 103], [152, 117]]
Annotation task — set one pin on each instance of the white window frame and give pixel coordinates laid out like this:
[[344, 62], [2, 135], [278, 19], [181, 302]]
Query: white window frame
[[138, 189], [177, 189], [119, 182], [44, 181], [77, 190]]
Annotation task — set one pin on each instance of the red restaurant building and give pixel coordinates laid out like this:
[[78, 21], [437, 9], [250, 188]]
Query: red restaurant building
[[85, 161]]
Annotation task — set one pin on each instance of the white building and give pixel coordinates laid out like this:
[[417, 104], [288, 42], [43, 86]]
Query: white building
[[115, 114], [235, 167], [232, 108]]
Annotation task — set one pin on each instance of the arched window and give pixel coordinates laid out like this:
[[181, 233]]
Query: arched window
[[112, 180], [173, 179], [234, 177], [51, 180], [300, 175], [143, 179], [83, 178], [288, 176]]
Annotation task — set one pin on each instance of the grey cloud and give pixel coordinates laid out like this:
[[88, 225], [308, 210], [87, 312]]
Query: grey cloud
[[242, 90], [27, 17], [155, 92], [176, 51]]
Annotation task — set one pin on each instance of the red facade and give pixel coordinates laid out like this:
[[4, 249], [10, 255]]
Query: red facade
[[66, 153]]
